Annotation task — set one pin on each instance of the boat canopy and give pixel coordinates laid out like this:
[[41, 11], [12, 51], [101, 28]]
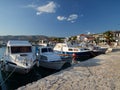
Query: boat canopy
[[18, 43]]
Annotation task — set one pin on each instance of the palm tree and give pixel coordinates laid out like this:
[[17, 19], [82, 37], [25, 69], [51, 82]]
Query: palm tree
[[108, 35]]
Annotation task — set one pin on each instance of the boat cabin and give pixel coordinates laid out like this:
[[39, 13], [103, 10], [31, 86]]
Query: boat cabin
[[15, 47]]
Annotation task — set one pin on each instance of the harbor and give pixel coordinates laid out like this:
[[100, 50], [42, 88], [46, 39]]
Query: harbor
[[99, 73], [13, 78], [59, 45]]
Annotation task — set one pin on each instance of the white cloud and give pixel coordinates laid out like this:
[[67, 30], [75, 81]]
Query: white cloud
[[48, 8], [71, 18], [61, 18]]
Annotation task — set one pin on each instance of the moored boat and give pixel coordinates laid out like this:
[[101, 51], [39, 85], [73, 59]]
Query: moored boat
[[98, 49], [49, 59], [65, 49], [19, 57]]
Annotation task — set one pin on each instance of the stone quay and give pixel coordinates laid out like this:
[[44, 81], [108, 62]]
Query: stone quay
[[99, 73]]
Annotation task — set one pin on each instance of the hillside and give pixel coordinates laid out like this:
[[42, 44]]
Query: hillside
[[23, 37]]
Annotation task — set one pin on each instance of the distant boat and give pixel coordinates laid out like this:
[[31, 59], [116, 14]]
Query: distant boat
[[65, 49], [49, 59], [98, 49], [19, 57]]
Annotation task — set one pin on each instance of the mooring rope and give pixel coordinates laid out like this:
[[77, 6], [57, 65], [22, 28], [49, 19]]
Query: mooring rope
[[8, 77]]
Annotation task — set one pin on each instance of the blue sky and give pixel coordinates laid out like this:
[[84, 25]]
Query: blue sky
[[60, 18]]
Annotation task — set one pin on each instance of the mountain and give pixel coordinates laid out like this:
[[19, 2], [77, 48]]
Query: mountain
[[24, 37]]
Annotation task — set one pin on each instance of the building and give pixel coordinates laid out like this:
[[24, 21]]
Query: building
[[85, 37], [116, 35]]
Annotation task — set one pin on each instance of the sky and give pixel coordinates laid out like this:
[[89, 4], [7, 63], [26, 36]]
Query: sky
[[61, 18]]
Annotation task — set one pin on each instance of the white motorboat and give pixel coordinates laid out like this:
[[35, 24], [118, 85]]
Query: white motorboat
[[99, 49], [19, 57], [49, 59]]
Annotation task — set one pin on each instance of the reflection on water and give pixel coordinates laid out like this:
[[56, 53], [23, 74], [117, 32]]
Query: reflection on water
[[12, 81]]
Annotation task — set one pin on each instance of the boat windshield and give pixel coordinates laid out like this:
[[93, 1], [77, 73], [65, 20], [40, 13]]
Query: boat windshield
[[21, 49], [50, 49], [43, 50]]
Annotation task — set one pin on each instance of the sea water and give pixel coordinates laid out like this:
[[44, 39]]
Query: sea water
[[11, 81]]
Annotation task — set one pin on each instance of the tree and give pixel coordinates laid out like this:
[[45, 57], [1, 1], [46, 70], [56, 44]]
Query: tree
[[56, 39], [74, 38], [108, 35]]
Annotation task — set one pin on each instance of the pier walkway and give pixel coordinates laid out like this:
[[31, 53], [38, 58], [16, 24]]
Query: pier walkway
[[99, 73]]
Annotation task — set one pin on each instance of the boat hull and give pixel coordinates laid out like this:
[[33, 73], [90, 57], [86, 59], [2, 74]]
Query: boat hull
[[79, 55], [12, 67], [52, 64], [103, 50]]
